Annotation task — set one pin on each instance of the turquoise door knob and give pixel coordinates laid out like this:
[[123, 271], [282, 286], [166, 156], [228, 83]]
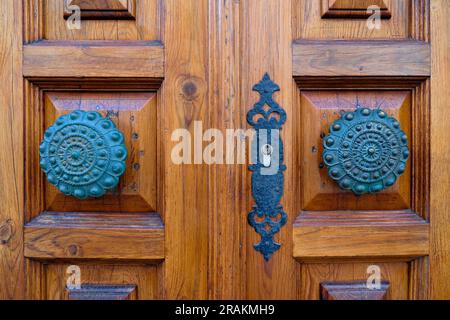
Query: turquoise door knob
[[83, 154], [366, 151]]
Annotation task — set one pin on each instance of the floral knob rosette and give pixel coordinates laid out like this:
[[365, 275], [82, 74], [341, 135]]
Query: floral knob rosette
[[83, 154], [366, 151]]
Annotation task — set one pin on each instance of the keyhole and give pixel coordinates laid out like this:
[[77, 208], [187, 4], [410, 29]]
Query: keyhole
[[267, 151]]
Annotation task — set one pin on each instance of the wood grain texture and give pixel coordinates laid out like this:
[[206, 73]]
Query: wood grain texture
[[348, 58], [322, 235], [12, 280], [440, 153], [421, 140], [214, 51], [318, 110], [94, 59], [102, 9], [143, 277], [185, 196], [135, 115], [309, 24], [355, 4], [266, 47], [93, 87], [102, 292], [106, 5], [355, 290], [228, 207], [311, 276], [419, 279], [95, 236], [353, 9], [142, 22]]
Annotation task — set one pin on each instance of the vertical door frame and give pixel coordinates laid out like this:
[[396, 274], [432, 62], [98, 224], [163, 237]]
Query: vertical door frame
[[440, 161], [12, 263]]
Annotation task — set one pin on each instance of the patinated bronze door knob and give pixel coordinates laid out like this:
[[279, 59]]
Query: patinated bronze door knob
[[83, 154], [366, 151]]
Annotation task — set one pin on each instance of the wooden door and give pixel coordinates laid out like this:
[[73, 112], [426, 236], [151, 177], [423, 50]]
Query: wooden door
[[326, 60], [171, 231], [142, 64]]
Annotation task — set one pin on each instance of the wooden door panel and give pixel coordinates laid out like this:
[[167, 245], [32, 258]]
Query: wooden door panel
[[101, 276], [335, 63], [353, 290], [118, 241], [355, 4], [351, 9], [108, 60], [135, 114], [310, 19], [101, 5], [336, 230], [103, 9], [102, 20], [358, 235], [318, 110], [180, 231], [331, 59], [103, 292], [95, 236], [311, 278], [120, 64]]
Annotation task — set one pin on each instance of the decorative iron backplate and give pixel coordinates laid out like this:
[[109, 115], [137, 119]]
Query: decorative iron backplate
[[83, 154], [366, 151], [267, 216]]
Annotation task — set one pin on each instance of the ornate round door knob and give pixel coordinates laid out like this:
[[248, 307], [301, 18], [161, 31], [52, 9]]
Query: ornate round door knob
[[83, 154], [366, 151]]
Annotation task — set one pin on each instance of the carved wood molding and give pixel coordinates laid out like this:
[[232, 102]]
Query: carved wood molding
[[103, 292], [48, 59], [101, 9], [331, 58], [353, 235], [90, 236], [353, 9], [355, 290]]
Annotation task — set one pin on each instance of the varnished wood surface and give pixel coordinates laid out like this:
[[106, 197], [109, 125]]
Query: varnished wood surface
[[355, 290], [103, 9], [12, 280], [107, 5], [356, 4], [185, 197], [318, 110], [228, 183], [267, 47], [93, 59], [103, 292], [350, 58], [311, 276], [141, 22], [353, 9], [440, 161], [325, 235], [144, 277], [95, 236], [308, 22], [207, 57], [136, 116]]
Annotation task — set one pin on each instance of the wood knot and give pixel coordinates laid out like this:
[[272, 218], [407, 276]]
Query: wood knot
[[189, 90], [6, 232], [73, 250], [190, 97]]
